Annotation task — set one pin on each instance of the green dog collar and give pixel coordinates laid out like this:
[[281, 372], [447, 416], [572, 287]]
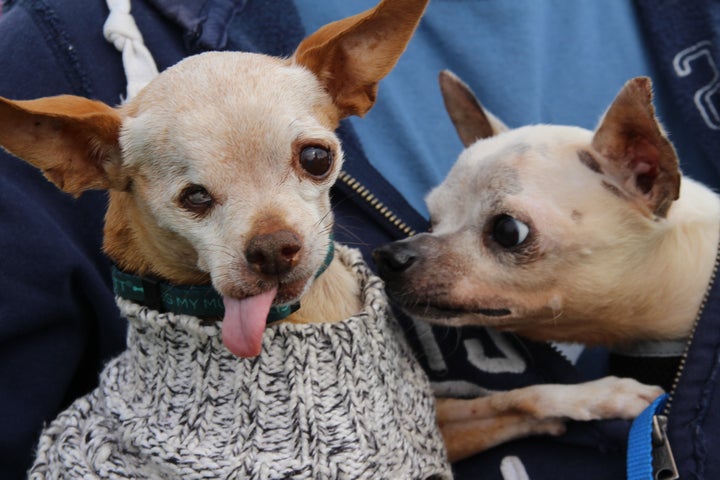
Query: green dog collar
[[197, 300]]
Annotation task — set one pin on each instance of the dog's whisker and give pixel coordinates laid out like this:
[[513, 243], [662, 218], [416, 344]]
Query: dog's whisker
[[224, 249], [323, 219]]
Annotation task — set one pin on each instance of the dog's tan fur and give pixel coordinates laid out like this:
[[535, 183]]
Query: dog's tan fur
[[617, 250], [261, 111]]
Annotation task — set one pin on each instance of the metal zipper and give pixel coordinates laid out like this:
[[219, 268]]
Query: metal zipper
[[683, 358], [374, 202], [663, 462]]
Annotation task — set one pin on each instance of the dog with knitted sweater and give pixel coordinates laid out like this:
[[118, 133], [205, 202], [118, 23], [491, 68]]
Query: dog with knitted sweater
[[257, 348]]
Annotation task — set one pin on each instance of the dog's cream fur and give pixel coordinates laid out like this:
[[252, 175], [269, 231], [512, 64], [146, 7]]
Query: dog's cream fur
[[610, 248]]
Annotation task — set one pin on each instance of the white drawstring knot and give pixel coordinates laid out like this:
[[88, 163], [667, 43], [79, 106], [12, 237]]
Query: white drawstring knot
[[121, 30]]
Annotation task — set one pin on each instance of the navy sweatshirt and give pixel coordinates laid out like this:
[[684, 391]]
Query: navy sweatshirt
[[58, 320]]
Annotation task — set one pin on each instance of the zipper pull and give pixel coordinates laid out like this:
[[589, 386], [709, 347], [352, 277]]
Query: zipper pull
[[663, 462]]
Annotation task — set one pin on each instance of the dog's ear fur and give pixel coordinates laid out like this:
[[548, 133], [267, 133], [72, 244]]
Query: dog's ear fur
[[641, 159], [73, 140], [351, 56], [471, 120]]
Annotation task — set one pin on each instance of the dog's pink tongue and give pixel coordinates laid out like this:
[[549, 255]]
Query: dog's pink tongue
[[244, 323]]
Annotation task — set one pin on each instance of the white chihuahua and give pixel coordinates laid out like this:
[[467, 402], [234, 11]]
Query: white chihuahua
[[560, 233]]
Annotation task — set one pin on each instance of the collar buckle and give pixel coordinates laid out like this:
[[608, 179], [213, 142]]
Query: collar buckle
[[152, 293]]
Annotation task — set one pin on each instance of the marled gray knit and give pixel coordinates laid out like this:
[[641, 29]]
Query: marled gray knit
[[322, 401]]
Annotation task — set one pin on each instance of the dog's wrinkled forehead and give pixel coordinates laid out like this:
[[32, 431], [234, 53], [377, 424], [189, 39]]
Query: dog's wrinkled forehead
[[484, 173], [218, 102], [220, 78], [500, 171], [520, 168]]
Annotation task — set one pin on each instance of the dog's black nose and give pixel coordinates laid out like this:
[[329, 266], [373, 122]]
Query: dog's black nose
[[393, 258], [273, 253]]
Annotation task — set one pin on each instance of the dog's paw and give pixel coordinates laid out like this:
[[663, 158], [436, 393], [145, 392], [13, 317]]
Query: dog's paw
[[548, 426], [611, 397]]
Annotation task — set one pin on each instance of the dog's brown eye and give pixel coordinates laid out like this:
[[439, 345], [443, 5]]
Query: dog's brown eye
[[196, 199], [316, 161], [509, 232]]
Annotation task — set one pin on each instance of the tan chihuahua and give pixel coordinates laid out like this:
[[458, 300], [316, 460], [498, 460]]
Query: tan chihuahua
[[245, 208], [219, 173], [560, 234]]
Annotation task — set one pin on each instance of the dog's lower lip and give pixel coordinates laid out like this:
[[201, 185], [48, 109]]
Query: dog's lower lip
[[286, 292], [488, 312], [455, 311], [495, 312], [290, 292]]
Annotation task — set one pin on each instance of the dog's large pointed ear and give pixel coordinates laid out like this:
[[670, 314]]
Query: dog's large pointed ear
[[73, 140], [351, 56], [471, 120], [639, 155]]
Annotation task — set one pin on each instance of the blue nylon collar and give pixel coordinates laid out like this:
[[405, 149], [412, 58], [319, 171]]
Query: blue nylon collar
[[197, 300]]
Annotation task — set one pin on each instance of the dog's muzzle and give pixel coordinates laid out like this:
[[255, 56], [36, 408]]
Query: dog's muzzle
[[397, 262], [393, 259]]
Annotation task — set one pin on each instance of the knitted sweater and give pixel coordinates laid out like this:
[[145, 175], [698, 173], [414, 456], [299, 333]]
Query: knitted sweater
[[322, 401]]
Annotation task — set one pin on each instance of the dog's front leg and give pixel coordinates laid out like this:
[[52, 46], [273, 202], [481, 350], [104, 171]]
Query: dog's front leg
[[608, 397], [474, 425]]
